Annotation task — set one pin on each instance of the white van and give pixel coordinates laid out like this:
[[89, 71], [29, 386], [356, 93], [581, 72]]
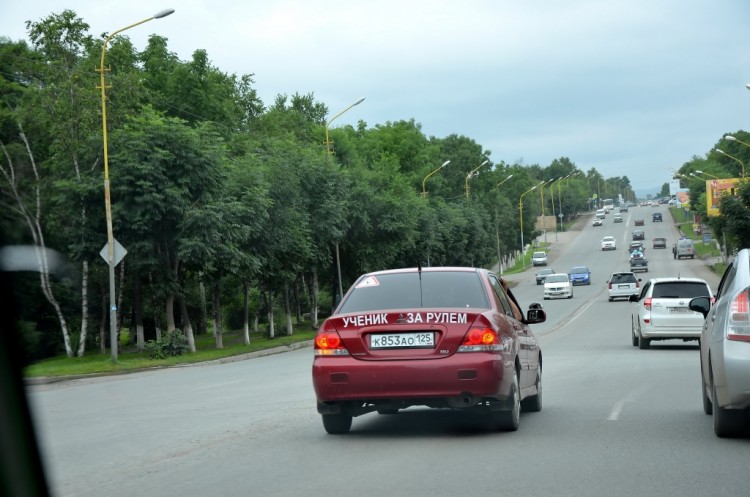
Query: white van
[[683, 248]]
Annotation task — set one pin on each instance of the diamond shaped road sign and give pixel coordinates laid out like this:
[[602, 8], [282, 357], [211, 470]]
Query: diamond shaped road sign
[[119, 252]]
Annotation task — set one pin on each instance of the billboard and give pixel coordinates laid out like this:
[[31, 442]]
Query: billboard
[[674, 187], [717, 188]]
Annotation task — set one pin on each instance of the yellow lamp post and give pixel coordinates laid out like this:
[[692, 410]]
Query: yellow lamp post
[[424, 181], [541, 197], [468, 177], [107, 202], [329, 151], [497, 228], [733, 157], [520, 216], [552, 201], [328, 142]]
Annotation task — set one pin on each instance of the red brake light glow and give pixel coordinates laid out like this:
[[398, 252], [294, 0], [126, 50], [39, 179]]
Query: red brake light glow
[[329, 343], [647, 303], [481, 340], [739, 317]]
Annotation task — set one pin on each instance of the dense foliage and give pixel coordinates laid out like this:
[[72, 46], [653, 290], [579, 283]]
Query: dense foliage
[[233, 212]]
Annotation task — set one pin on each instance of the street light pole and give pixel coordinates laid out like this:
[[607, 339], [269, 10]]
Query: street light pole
[[541, 196], [329, 151], [328, 142], [734, 158], [468, 177], [107, 198], [497, 229], [520, 215], [424, 181]]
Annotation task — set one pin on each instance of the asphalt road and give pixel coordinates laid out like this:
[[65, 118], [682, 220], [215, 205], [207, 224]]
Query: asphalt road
[[617, 421]]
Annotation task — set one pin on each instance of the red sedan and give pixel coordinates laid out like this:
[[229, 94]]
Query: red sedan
[[438, 337]]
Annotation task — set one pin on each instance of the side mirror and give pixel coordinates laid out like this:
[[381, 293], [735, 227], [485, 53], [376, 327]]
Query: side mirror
[[700, 304], [535, 314]]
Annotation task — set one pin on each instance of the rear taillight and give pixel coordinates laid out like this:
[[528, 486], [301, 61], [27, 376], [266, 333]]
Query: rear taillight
[[328, 342], [482, 340], [647, 303], [738, 327], [610, 285], [637, 284]]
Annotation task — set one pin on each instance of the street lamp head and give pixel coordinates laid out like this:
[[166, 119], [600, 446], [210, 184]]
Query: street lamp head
[[509, 177], [444, 163], [747, 86], [720, 151], [699, 171], [730, 138], [164, 13], [361, 99]]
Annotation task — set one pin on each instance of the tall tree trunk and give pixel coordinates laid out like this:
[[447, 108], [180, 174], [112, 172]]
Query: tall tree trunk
[[271, 327], [313, 283], [288, 310], [217, 316], [245, 312], [84, 307], [103, 321], [33, 218], [187, 327], [204, 313], [140, 340], [170, 312], [154, 306], [298, 297]]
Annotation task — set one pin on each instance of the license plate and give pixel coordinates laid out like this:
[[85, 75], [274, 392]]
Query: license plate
[[678, 309], [621, 287], [402, 340]]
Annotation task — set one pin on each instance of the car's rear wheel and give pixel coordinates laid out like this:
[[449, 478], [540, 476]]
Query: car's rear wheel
[[644, 343], [726, 421], [337, 424], [534, 403], [707, 405], [633, 335], [508, 420]]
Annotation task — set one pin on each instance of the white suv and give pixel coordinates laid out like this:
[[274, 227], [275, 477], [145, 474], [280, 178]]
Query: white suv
[[623, 285], [609, 243], [663, 312]]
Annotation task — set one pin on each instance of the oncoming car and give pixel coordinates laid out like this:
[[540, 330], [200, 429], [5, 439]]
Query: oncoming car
[[609, 243], [558, 286], [539, 258], [542, 274], [437, 337], [598, 222], [580, 275]]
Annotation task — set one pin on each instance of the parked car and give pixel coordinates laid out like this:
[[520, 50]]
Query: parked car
[[558, 285], [639, 235], [598, 222], [683, 248], [439, 337], [609, 243], [639, 222], [656, 217], [623, 285], [542, 274], [617, 218], [663, 313], [725, 349], [580, 275], [539, 259], [659, 242]]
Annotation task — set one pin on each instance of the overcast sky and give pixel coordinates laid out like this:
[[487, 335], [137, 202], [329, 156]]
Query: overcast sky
[[631, 87]]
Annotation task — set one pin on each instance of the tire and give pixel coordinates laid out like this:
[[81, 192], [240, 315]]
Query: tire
[[644, 343], [534, 403], [571, 295], [633, 336], [611, 299], [337, 424], [726, 421], [509, 419]]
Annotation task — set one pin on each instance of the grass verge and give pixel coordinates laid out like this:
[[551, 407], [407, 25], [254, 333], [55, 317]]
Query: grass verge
[[130, 359]]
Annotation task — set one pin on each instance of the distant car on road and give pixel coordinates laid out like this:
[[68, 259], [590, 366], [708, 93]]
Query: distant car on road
[[623, 208], [623, 285], [725, 349], [656, 217], [659, 242], [542, 274], [663, 312], [609, 243], [539, 259], [598, 222], [617, 218], [639, 235], [558, 285], [684, 248], [639, 222], [580, 275]]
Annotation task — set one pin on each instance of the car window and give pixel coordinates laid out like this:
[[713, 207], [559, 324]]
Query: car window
[[726, 279], [417, 290], [623, 278], [556, 278], [645, 290], [680, 289], [501, 297]]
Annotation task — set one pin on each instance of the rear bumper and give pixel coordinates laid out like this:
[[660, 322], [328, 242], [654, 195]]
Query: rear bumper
[[671, 332], [731, 368], [475, 374]]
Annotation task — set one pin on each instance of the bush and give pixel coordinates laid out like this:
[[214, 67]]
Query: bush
[[171, 344]]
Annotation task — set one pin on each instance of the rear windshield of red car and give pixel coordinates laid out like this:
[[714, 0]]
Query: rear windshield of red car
[[417, 290], [680, 289]]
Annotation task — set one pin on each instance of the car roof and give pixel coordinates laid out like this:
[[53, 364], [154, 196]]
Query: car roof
[[579, 267], [672, 279], [427, 269]]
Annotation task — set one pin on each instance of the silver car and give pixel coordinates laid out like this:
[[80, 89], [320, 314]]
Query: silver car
[[725, 349]]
